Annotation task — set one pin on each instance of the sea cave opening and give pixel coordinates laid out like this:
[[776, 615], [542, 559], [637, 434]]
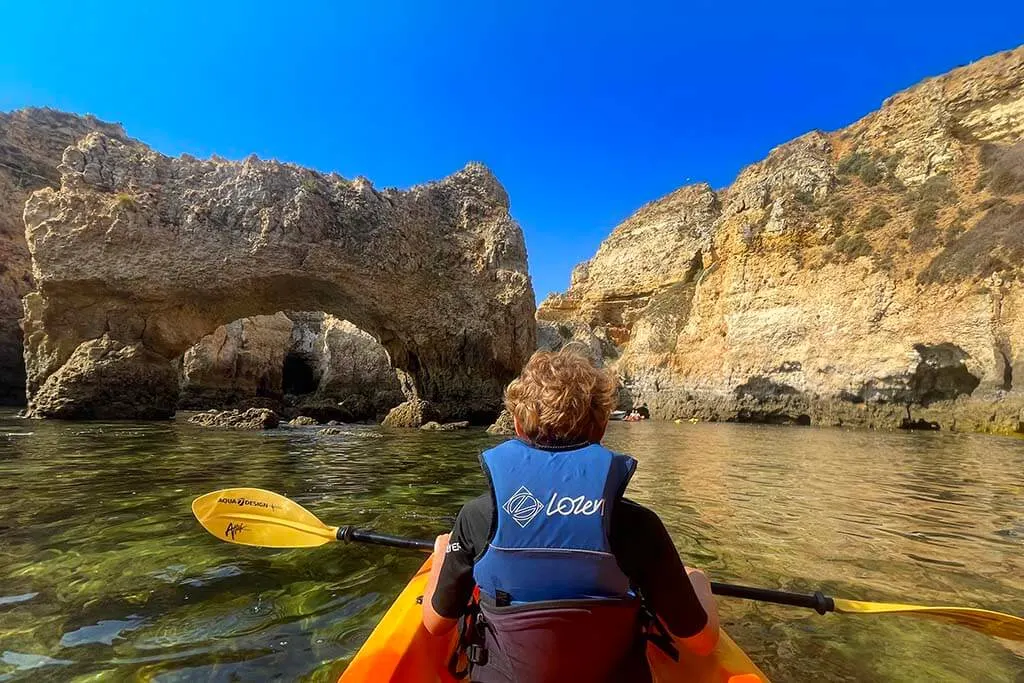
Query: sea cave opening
[[298, 375]]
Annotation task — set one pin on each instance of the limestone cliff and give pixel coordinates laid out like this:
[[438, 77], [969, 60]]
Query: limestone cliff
[[867, 276], [154, 253], [31, 144]]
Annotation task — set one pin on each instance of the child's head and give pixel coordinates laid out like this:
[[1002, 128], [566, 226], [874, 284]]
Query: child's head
[[561, 399]]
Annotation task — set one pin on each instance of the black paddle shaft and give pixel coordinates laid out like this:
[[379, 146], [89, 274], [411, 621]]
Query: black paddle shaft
[[348, 534], [817, 601]]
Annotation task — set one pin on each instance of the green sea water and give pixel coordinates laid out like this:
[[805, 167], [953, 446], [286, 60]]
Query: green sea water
[[105, 575]]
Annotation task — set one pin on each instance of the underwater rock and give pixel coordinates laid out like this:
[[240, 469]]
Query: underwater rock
[[251, 419], [446, 427]]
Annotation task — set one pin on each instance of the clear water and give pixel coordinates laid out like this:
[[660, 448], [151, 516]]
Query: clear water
[[104, 574]]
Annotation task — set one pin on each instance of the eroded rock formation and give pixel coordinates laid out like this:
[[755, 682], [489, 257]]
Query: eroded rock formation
[[412, 413], [297, 361], [347, 364], [154, 253], [870, 276], [32, 142], [237, 362], [504, 425]]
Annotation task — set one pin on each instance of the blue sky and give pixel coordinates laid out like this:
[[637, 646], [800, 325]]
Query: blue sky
[[585, 111]]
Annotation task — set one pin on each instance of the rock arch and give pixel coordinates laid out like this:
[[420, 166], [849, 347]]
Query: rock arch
[[137, 256]]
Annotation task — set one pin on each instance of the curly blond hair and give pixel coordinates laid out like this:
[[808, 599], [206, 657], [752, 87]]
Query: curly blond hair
[[561, 399]]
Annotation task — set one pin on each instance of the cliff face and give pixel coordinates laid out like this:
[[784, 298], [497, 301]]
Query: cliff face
[[861, 277], [137, 256], [32, 142]]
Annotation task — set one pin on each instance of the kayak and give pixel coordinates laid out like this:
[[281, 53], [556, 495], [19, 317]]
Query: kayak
[[401, 650]]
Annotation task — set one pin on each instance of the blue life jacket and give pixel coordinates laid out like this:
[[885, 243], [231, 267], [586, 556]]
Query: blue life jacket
[[554, 604], [553, 511]]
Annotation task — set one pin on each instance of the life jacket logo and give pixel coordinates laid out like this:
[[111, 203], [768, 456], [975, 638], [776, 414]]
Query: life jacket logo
[[523, 506]]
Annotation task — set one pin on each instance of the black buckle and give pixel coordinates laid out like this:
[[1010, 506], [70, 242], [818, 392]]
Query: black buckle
[[476, 655], [471, 630]]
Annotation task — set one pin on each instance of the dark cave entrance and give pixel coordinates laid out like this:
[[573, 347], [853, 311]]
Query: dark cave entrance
[[298, 376]]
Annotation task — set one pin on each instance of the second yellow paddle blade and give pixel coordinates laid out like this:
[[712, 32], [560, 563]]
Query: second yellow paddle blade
[[262, 518], [981, 620]]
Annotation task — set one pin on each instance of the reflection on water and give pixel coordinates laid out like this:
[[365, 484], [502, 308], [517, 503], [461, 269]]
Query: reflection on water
[[104, 575]]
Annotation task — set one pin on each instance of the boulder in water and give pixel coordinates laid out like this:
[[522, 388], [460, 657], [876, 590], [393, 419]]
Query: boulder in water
[[107, 380], [503, 426], [414, 414]]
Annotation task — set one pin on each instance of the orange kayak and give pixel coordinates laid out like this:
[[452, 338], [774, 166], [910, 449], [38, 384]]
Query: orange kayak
[[400, 650]]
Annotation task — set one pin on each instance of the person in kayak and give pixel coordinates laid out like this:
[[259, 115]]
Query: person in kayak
[[569, 572]]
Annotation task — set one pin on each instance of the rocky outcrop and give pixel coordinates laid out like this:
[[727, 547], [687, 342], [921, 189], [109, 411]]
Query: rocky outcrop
[[610, 291], [865, 277], [239, 361], [345, 364], [154, 251], [32, 142], [301, 360], [105, 379], [414, 413], [503, 426], [354, 364], [302, 421], [251, 419]]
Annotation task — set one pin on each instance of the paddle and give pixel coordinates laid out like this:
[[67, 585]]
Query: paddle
[[249, 516]]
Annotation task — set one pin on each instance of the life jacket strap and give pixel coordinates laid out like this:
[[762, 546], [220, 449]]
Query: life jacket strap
[[470, 643], [655, 632]]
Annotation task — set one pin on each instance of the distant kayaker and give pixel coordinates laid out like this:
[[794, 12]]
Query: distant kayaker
[[561, 559]]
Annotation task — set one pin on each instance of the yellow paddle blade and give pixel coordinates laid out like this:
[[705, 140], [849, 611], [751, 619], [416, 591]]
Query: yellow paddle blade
[[981, 620], [262, 518]]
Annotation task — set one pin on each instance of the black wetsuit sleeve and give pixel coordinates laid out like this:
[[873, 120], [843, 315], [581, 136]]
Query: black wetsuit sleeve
[[646, 554], [469, 539]]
